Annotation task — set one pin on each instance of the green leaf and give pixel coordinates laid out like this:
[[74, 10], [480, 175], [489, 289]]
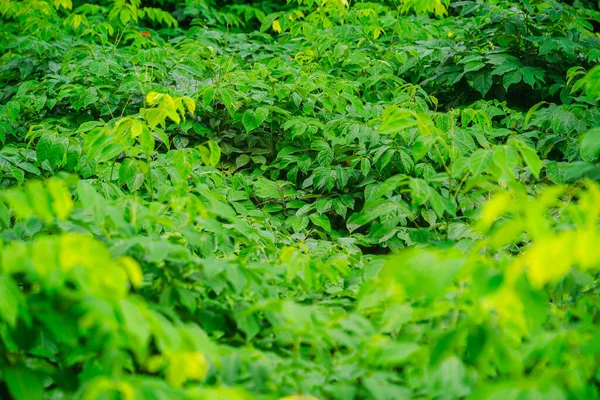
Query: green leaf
[[421, 146], [423, 273], [388, 185], [135, 325], [567, 172], [13, 109], [373, 210], [532, 111], [210, 153], [480, 160], [23, 384], [248, 323], [419, 191], [146, 141], [127, 170], [208, 96], [266, 189], [511, 78], [397, 352], [215, 153], [532, 75], [99, 68], [124, 16], [322, 221], [60, 198], [325, 157], [436, 201], [340, 208], [505, 160], [395, 119], [43, 149], [10, 295], [481, 81], [242, 160], [249, 120], [592, 87], [272, 208], [261, 115], [531, 158], [4, 217], [365, 166], [154, 117], [381, 389], [52, 149], [267, 22], [459, 166], [590, 145], [474, 66], [158, 134], [504, 69], [228, 99]]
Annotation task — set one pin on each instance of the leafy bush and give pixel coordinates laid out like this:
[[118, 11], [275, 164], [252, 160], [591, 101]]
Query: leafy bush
[[314, 199]]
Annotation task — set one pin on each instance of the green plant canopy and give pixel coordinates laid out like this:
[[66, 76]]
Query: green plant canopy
[[299, 200]]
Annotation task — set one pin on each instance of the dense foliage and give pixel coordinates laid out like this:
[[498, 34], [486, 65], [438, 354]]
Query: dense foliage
[[312, 199]]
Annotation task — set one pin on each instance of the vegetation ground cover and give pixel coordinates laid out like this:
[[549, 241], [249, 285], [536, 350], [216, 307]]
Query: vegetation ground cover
[[311, 199]]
